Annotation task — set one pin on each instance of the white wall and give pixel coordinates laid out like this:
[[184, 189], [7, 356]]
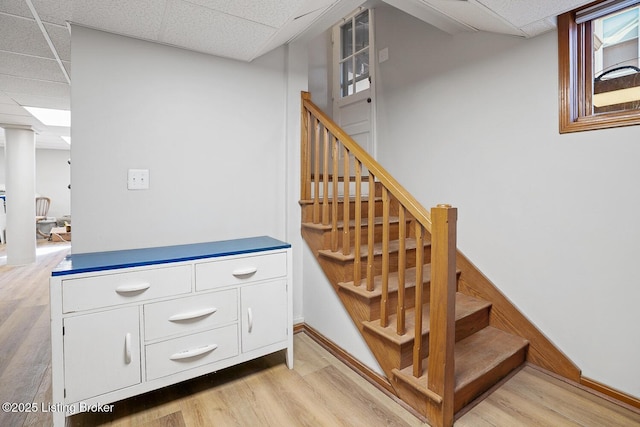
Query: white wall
[[551, 219], [211, 131], [52, 178], [296, 82]]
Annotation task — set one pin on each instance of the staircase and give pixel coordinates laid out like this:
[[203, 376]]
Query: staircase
[[441, 332]]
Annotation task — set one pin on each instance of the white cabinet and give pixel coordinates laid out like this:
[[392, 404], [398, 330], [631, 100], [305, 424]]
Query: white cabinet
[[124, 323], [99, 343], [264, 308]]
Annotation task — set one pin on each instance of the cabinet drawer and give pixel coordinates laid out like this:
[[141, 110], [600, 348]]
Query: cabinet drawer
[[190, 314], [179, 354], [235, 271], [120, 288]]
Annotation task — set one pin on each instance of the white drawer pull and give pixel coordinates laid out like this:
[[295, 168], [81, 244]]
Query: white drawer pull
[[127, 348], [186, 354], [140, 287], [249, 320], [193, 314], [245, 271]]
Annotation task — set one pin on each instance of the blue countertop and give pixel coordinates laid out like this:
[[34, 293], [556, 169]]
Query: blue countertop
[[99, 261]]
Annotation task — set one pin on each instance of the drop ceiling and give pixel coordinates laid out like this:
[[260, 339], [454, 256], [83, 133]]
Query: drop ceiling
[[35, 46]]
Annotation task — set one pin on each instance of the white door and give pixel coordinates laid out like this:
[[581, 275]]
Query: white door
[[264, 314], [353, 85], [101, 352]]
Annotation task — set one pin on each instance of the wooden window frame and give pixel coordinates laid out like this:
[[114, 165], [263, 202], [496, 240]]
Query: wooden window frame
[[576, 82]]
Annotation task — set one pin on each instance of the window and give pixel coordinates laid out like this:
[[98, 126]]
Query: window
[[354, 54], [599, 68]]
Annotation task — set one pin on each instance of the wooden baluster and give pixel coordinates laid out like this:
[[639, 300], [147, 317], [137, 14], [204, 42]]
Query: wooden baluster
[[402, 265], [346, 172], [325, 178], [305, 147], [370, 233], [417, 342], [442, 324], [334, 206], [316, 173], [357, 229], [384, 300]]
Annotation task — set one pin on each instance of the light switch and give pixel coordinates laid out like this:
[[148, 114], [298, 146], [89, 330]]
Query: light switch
[[383, 55], [138, 179]]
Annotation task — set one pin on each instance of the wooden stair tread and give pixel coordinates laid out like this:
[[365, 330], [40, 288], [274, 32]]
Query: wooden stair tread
[[394, 245], [409, 282], [330, 177], [465, 306], [475, 357], [352, 223], [364, 198]]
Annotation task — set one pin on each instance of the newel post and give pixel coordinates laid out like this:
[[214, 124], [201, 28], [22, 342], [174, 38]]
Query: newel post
[[442, 306], [305, 148]]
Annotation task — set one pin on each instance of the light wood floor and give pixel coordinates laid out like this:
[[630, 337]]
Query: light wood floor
[[319, 391]]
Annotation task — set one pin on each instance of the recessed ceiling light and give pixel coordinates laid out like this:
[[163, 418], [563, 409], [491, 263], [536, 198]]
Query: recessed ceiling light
[[67, 139], [51, 117]]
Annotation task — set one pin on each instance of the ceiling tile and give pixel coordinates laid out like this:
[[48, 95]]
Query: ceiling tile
[[523, 12], [67, 66], [61, 39], [140, 18], [15, 7], [306, 17], [14, 110], [219, 5], [15, 85], [474, 15], [6, 100], [30, 67], [539, 27], [56, 12], [22, 35], [274, 13], [205, 30]]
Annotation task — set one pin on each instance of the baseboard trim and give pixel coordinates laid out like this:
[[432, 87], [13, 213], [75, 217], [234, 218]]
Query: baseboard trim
[[617, 395], [374, 378], [363, 370], [598, 389]]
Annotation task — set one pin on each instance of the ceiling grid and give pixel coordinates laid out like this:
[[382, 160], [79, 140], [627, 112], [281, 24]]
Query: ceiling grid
[[35, 43]]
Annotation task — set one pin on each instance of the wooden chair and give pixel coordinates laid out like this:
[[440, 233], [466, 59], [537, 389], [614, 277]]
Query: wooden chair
[[42, 209]]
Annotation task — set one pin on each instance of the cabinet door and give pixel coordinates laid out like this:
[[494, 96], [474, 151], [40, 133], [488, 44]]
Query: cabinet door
[[101, 352], [264, 314]]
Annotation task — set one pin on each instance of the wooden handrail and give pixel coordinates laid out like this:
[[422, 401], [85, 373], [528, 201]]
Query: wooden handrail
[[398, 191], [319, 130]]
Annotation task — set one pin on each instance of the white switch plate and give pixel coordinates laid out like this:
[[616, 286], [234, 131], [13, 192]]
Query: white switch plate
[[138, 179], [383, 55]]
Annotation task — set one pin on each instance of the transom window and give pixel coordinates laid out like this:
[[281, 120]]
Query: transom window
[[598, 49]]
